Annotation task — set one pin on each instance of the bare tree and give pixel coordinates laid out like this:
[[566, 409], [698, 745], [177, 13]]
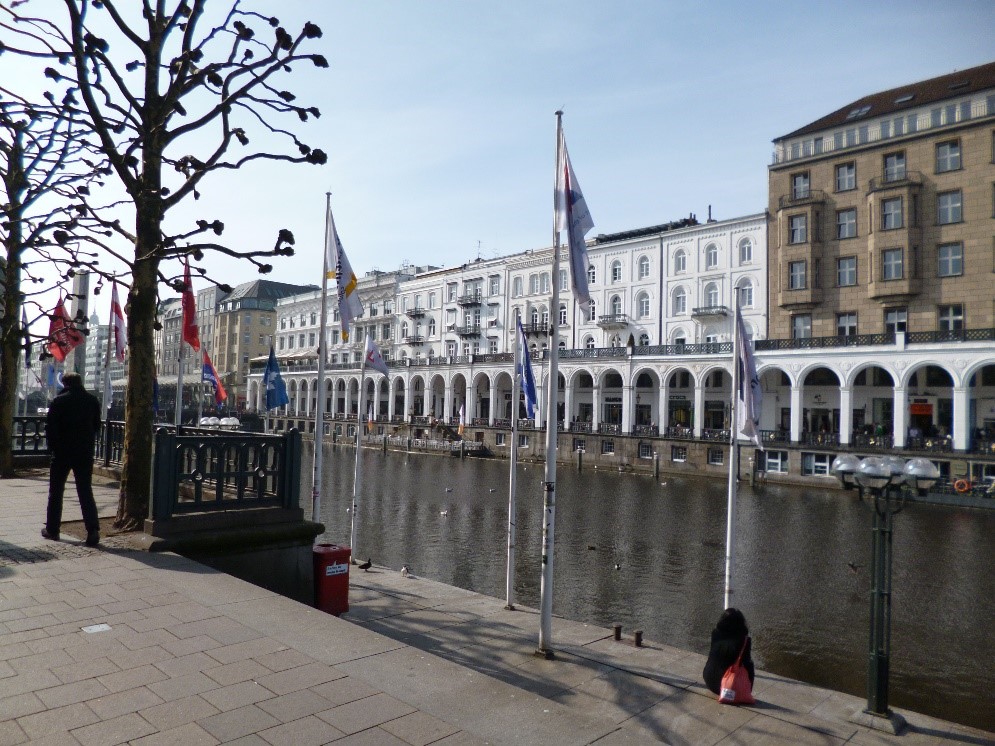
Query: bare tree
[[42, 154], [170, 103]]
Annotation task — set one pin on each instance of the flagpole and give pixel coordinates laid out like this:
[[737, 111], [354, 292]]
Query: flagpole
[[733, 464], [178, 416], [512, 487], [107, 376], [549, 487], [319, 410], [356, 473]]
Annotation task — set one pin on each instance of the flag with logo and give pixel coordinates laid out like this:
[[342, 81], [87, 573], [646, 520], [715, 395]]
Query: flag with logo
[[210, 375], [276, 389], [572, 216], [750, 395], [191, 334], [63, 336], [373, 357], [117, 325], [462, 418], [528, 377], [345, 279]]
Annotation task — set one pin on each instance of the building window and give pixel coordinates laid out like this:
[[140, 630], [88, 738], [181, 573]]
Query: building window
[[950, 318], [846, 324], [680, 302], [579, 444], [746, 295], [563, 315], [801, 326], [947, 156], [716, 456], [544, 282], [646, 450], [523, 440], [533, 284], [798, 229], [796, 275], [894, 167], [746, 251], [711, 256], [891, 213], [616, 271], [816, 464], [711, 295], [607, 447], [592, 275], [846, 223], [644, 267], [495, 285], [679, 454], [499, 439], [800, 186], [775, 462], [948, 207], [846, 271], [589, 343], [846, 177], [644, 340], [892, 264], [951, 259], [680, 261], [592, 312], [615, 306], [516, 289], [895, 320], [643, 306]]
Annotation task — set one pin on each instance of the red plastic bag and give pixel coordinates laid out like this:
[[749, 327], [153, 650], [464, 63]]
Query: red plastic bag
[[736, 688]]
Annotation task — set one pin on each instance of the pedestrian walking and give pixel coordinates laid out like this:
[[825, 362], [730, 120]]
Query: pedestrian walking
[[73, 421]]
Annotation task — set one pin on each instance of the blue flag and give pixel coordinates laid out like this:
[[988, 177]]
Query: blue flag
[[528, 378], [276, 389]]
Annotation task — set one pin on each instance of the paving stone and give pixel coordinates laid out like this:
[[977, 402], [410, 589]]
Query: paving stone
[[56, 720], [125, 658], [232, 673], [371, 737], [121, 703], [345, 689], [255, 648], [188, 645], [20, 705], [237, 695], [227, 726], [419, 728], [190, 734], [11, 734], [186, 664], [307, 731], [284, 659], [111, 732], [77, 691], [178, 712], [131, 678], [301, 677], [365, 713], [295, 705]]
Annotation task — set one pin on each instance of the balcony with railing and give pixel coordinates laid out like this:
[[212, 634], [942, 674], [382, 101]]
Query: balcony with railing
[[896, 180], [800, 197], [812, 343], [613, 321], [469, 330], [469, 299], [415, 313], [705, 311], [414, 339], [536, 328]]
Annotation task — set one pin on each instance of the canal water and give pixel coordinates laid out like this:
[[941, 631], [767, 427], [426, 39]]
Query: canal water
[[802, 575]]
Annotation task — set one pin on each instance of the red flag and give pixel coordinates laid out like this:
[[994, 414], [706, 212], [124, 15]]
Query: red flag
[[210, 375], [63, 335], [117, 325], [191, 334]]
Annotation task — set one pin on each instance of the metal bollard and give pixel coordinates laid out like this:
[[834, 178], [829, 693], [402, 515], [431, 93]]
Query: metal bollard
[[618, 631], [637, 638]]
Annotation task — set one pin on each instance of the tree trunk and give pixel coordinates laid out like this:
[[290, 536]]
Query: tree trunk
[[10, 345], [136, 473]]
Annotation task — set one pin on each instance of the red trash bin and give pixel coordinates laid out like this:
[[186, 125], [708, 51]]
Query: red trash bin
[[331, 578]]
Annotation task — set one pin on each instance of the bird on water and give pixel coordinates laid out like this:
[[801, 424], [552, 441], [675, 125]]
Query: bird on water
[[365, 566]]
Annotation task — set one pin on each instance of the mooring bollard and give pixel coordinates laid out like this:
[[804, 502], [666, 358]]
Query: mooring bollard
[[656, 466], [580, 459], [618, 631], [637, 638], [385, 443]]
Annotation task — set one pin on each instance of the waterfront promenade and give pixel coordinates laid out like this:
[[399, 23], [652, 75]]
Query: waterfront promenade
[[192, 656]]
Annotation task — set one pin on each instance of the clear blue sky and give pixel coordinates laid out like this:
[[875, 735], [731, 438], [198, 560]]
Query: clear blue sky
[[438, 115]]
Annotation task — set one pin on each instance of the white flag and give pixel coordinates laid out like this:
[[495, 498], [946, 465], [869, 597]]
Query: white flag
[[462, 418], [373, 357], [572, 216], [750, 396], [345, 279], [117, 325]]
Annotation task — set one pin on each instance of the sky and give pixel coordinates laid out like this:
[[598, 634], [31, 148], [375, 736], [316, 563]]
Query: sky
[[438, 116]]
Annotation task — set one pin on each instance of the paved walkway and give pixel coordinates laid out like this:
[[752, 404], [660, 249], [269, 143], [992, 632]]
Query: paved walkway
[[109, 645]]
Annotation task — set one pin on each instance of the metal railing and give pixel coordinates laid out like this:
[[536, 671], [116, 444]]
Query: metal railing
[[802, 197], [890, 181], [950, 335], [469, 299], [613, 319], [820, 439], [810, 343], [715, 435], [710, 311], [707, 348]]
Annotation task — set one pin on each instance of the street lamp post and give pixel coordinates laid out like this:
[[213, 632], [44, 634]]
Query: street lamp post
[[886, 480]]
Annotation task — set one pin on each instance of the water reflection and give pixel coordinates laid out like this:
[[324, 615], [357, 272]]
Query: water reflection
[[807, 608]]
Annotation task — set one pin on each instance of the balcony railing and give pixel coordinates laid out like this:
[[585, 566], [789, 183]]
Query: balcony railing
[[893, 181], [613, 320], [821, 439], [469, 299], [536, 328], [677, 432], [880, 442], [710, 311], [610, 428], [470, 330], [708, 348], [415, 313], [580, 427], [802, 197], [650, 430], [593, 352], [414, 339], [951, 335], [775, 436], [932, 445], [715, 435], [809, 343]]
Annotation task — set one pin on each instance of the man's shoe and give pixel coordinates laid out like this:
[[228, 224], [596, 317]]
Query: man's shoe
[[92, 539], [46, 534]]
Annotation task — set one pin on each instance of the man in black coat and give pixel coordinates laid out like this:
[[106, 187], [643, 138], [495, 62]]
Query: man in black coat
[[73, 421]]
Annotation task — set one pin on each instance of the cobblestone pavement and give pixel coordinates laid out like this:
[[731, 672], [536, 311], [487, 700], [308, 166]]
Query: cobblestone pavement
[[110, 645]]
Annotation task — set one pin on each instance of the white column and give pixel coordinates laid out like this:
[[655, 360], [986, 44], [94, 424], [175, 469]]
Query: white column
[[447, 404], [390, 399], [596, 407], [899, 425], [961, 432], [492, 410], [470, 405], [407, 399], [699, 408], [846, 414], [568, 405], [663, 413], [796, 413], [628, 404]]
